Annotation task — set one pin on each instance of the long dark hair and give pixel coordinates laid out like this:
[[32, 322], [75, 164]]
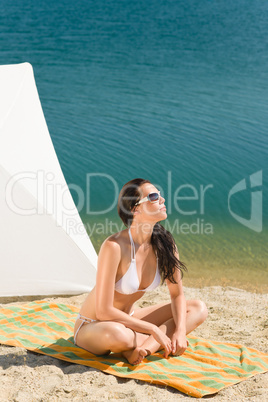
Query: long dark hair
[[162, 240]]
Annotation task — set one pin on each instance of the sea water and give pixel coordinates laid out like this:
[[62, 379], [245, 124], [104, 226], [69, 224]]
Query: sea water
[[171, 91]]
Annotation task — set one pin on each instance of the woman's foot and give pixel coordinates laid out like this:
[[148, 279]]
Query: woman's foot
[[135, 356]]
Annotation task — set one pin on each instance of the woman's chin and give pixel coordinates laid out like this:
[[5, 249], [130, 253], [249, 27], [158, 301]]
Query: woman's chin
[[163, 215]]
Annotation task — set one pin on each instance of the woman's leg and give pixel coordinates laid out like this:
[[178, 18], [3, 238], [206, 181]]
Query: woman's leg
[[103, 337], [196, 313], [161, 315]]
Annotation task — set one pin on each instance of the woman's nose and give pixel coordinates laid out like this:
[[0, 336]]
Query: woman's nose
[[162, 199]]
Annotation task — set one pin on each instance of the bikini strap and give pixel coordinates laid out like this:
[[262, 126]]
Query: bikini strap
[[133, 254]]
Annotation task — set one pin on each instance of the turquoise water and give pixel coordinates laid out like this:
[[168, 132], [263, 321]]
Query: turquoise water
[[167, 90]]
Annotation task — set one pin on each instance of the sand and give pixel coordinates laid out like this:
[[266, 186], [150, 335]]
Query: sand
[[235, 316]]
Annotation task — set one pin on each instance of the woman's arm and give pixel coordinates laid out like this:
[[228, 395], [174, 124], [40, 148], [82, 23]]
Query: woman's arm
[[178, 306], [108, 261]]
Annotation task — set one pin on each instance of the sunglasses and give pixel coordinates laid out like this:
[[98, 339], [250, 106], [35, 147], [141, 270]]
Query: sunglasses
[[152, 197]]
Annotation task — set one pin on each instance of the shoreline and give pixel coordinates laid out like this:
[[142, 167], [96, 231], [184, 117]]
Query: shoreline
[[225, 282], [235, 316], [232, 256]]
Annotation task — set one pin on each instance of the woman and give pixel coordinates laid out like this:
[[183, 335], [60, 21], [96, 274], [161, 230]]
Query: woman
[[130, 263]]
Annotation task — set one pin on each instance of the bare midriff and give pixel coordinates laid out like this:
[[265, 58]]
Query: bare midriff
[[121, 302]]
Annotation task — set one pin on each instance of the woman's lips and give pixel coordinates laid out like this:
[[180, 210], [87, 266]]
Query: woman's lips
[[163, 209]]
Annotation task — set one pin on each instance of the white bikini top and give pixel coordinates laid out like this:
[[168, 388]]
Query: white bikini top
[[129, 283]]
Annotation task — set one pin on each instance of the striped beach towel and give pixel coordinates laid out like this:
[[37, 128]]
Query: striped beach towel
[[205, 368]]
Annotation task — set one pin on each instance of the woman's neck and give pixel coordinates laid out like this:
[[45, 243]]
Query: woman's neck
[[142, 233]]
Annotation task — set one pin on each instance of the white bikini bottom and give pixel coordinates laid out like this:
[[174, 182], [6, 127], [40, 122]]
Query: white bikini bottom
[[86, 320]]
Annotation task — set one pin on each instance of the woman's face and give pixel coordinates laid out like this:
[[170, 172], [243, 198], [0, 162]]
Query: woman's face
[[148, 211]]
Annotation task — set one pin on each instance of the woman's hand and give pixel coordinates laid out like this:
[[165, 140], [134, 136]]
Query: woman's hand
[[179, 343], [164, 340]]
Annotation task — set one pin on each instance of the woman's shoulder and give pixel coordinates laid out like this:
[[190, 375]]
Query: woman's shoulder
[[116, 241]]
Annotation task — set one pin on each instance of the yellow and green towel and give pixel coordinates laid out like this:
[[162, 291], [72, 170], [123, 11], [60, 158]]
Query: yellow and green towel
[[205, 368]]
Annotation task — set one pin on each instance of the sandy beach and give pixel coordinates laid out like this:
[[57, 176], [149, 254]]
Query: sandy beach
[[235, 316]]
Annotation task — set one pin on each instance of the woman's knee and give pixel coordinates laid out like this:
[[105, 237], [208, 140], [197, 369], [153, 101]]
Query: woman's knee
[[118, 338], [200, 309]]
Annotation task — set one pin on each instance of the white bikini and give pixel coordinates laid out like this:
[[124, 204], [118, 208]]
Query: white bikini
[[128, 284]]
